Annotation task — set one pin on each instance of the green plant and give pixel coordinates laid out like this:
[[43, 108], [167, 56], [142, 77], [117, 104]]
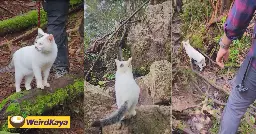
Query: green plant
[[22, 22], [109, 76]]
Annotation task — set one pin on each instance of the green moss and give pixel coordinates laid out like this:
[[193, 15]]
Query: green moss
[[126, 53], [142, 71], [22, 22], [41, 103], [75, 2]]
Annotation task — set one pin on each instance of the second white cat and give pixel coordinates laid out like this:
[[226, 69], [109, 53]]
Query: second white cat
[[127, 95]]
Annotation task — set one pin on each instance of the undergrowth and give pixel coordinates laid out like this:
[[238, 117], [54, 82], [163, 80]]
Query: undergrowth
[[195, 16]]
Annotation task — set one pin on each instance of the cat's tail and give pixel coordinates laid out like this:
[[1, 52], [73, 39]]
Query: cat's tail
[[8, 68], [115, 117]]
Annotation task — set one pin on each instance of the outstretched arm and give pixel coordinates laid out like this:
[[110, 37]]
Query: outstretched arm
[[238, 20]]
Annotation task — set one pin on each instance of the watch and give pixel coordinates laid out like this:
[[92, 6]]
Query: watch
[[222, 45]]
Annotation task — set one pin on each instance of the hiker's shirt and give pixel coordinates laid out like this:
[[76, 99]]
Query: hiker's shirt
[[238, 20]]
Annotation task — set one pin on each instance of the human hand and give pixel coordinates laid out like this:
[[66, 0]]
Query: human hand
[[222, 56]]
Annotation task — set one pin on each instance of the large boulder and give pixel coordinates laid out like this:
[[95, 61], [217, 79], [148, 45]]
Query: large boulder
[[149, 40], [156, 85], [150, 119]]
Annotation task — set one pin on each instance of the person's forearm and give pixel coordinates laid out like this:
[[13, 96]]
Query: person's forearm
[[226, 41]]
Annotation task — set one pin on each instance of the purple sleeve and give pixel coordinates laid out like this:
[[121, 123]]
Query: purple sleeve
[[239, 18]]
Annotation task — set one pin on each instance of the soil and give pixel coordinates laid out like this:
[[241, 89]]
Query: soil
[[9, 9], [76, 54]]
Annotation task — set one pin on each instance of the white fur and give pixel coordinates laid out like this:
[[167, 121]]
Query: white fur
[[125, 86], [30, 62], [194, 54]]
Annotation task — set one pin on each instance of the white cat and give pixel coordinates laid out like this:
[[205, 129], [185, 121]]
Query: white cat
[[127, 94], [32, 60], [194, 55]]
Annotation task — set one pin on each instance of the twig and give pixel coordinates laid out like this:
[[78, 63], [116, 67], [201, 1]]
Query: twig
[[207, 57], [78, 23], [113, 36], [7, 10], [93, 46], [212, 84], [120, 54], [221, 89], [73, 30]]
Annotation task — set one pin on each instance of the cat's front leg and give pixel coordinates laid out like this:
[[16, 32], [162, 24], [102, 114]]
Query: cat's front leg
[[38, 76], [46, 75], [28, 80]]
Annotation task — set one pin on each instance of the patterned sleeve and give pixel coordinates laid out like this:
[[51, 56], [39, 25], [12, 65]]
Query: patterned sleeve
[[239, 18]]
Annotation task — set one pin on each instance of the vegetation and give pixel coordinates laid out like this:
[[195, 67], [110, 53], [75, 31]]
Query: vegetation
[[109, 13], [26, 20], [22, 22], [195, 16]]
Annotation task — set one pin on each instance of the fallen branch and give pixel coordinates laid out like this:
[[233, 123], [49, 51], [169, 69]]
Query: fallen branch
[[207, 57], [211, 83], [221, 89], [94, 46], [113, 34]]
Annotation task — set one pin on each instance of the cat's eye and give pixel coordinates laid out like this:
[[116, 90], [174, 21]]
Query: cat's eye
[[121, 65]]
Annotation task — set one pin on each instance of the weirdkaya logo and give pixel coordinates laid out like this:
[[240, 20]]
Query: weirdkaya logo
[[17, 121], [39, 122], [46, 122]]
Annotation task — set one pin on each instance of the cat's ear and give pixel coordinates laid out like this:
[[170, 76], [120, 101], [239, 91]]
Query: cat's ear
[[188, 41], [40, 32], [130, 61], [117, 61], [50, 37]]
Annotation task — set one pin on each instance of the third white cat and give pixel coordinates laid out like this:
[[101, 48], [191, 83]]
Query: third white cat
[[194, 54]]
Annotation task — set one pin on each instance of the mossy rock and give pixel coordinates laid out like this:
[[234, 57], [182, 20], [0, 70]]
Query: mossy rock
[[36, 102], [21, 22]]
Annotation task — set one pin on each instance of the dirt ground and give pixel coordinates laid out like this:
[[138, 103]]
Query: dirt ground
[[76, 51], [12, 8]]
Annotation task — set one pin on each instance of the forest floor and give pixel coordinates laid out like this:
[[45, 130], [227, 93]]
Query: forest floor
[[198, 97], [75, 46]]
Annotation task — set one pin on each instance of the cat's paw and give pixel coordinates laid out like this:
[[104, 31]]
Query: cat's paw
[[41, 86], [133, 113], [46, 84], [28, 87], [18, 90]]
